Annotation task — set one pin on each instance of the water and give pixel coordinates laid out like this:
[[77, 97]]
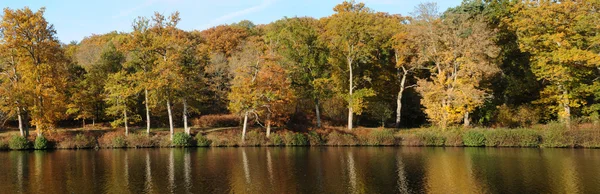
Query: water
[[302, 170]]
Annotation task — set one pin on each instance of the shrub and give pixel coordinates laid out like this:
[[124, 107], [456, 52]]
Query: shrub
[[113, 140], [224, 139], [557, 138], [41, 143], [314, 138], [136, 140], [254, 138], [18, 143], [339, 139], [79, 142], [511, 138], [523, 116], [453, 138], [202, 141], [275, 139], [381, 137], [295, 139], [474, 138], [207, 121], [432, 138], [3, 144], [182, 140]]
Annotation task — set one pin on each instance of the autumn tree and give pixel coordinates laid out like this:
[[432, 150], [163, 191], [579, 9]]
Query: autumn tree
[[120, 91], [305, 57], [347, 33], [41, 64], [460, 53], [563, 40]]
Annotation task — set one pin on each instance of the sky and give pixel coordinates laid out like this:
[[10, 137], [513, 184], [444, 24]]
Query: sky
[[76, 19]]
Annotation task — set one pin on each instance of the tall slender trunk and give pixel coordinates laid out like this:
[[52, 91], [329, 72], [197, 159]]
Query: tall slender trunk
[[94, 122], [147, 111], [399, 99], [83, 123], [245, 126], [125, 119], [318, 113], [185, 122], [350, 97], [20, 122], [268, 124], [466, 121], [170, 118], [565, 102], [26, 122]]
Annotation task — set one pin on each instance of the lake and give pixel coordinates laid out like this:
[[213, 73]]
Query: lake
[[302, 170]]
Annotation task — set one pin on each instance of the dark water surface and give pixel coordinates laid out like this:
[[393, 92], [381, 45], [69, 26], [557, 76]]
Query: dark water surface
[[302, 170]]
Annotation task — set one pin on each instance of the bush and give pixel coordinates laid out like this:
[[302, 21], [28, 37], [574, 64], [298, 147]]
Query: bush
[[254, 138], [474, 138], [511, 138], [432, 138], [295, 139], [136, 140], [557, 138], [314, 138], [182, 140], [41, 143], [112, 140], [276, 140], [79, 142], [229, 139], [523, 116], [339, 139], [3, 144], [202, 141], [381, 137], [207, 121], [18, 143]]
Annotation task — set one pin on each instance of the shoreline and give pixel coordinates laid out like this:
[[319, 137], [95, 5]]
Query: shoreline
[[548, 136]]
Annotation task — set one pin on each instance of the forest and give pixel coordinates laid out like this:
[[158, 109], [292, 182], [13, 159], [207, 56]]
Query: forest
[[484, 63]]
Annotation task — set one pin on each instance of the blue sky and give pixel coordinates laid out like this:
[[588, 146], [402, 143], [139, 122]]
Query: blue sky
[[75, 19]]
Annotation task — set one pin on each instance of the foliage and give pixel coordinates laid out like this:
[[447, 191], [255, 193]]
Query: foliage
[[202, 141], [41, 143], [295, 139], [182, 140], [511, 138], [474, 138], [314, 138], [80, 141], [380, 137], [18, 143], [136, 140], [276, 140], [208, 121], [341, 139]]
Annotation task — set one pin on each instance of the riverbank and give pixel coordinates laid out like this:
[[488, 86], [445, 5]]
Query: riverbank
[[543, 136]]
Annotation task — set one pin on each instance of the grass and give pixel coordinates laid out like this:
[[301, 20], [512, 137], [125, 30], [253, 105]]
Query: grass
[[545, 136]]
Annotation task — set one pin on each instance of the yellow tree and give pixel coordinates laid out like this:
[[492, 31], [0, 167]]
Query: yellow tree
[[120, 89], [167, 45], [563, 39], [42, 66], [461, 53], [350, 41]]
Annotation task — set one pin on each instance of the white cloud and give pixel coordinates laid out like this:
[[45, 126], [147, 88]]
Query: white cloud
[[235, 14]]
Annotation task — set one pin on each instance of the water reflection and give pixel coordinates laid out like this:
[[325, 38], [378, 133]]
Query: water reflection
[[302, 170]]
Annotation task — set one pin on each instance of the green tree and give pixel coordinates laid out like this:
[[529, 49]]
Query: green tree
[[563, 40]]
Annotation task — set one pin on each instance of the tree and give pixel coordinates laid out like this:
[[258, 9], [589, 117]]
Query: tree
[[142, 59], [298, 39], [167, 43], [350, 42], [563, 40], [273, 89], [120, 90], [460, 53], [42, 66]]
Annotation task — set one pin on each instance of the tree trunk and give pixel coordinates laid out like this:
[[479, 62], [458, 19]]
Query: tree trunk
[[466, 122], [20, 121], [566, 116], [170, 119], [26, 122], [350, 97], [399, 99], [185, 122], [93, 122], [125, 118], [318, 113], [83, 123], [268, 125], [245, 126], [147, 111]]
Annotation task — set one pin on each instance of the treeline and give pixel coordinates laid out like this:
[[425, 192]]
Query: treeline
[[489, 63]]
